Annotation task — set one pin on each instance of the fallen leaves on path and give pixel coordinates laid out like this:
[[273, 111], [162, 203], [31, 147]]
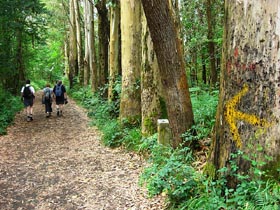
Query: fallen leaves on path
[[59, 163]]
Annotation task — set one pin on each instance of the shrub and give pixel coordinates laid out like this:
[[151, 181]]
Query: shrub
[[10, 105], [251, 192], [204, 107]]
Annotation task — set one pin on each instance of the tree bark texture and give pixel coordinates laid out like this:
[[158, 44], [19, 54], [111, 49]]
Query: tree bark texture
[[86, 43], [90, 72], [171, 65], [103, 45], [249, 104], [130, 106], [114, 55], [204, 71], [73, 56], [79, 42], [211, 44], [150, 84], [19, 61], [66, 57]]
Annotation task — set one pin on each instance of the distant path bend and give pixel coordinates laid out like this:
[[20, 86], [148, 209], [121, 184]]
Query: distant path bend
[[59, 163]]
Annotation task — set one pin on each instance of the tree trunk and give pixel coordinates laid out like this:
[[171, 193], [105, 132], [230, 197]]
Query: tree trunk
[[66, 58], [249, 104], [90, 72], [20, 63], [79, 43], [86, 43], [103, 35], [171, 65], [73, 56], [204, 72], [150, 84], [211, 44], [130, 106], [193, 71], [114, 58]]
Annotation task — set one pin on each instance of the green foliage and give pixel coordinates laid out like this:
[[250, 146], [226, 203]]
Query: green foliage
[[171, 173], [195, 35], [47, 58], [10, 105], [251, 192], [204, 105], [22, 26], [39, 84], [28, 48], [147, 144], [46, 62]]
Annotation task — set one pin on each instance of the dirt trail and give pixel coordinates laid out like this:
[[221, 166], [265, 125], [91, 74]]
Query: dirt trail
[[59, 163]]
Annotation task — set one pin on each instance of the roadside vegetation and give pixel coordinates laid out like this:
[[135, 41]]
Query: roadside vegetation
[[175, 173], [10, 105]]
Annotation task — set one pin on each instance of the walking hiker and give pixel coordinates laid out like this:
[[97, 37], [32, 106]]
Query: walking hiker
[[27, 92], [47, 99], [59, 91]]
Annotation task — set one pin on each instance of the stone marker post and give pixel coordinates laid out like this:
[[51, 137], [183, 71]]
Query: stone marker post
[[164, 132]]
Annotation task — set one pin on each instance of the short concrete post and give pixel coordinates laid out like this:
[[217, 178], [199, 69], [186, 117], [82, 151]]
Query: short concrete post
[[164, 132]]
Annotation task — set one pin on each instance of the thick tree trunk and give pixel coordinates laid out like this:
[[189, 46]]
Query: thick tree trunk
[[249, 104], [130, 106], [171, 65], [103, 35], [150, 84], [114, 58]]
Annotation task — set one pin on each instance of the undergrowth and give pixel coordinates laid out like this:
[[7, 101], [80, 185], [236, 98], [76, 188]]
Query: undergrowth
[[204, 104], [170, 171], [10, 105], [171, 174]]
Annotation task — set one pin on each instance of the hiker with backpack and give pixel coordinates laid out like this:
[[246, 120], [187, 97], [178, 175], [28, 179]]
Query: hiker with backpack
[[59, 91], [47, 99], [27, 93]]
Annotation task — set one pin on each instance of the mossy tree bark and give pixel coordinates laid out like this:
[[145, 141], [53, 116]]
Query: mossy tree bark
[[168, 48], [249, 104], [130, 105], [150, 84], [114, 55]]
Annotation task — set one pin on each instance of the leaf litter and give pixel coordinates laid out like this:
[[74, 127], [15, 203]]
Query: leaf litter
[[59, 163]]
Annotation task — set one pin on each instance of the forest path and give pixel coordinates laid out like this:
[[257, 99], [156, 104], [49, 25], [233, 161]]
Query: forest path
[[59, 163]]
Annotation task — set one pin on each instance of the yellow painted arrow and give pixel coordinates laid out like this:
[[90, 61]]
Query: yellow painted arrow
[[232, 115]]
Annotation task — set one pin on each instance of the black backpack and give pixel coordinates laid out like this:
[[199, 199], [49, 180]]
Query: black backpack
[[27, 93]]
